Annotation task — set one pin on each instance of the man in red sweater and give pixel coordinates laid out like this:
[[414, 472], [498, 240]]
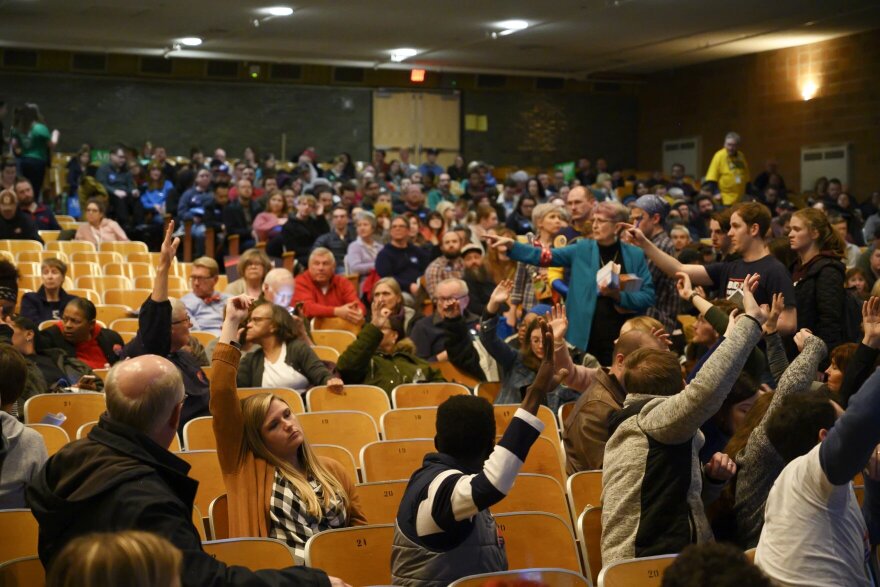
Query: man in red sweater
[[324, 293]]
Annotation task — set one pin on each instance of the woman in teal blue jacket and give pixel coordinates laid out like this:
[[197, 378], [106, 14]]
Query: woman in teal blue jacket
[[595, 313]]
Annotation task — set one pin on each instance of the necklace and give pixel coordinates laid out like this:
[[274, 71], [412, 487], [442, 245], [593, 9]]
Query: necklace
[[612, 260]]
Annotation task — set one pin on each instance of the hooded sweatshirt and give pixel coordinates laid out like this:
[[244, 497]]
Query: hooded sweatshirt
[[22, 454]]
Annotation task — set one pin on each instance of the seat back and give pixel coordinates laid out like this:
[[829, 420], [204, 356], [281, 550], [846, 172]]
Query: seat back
[[543, 459], [252, 553], [218, 516], [129, 269], [16, 246], [504, 414], [38, 256], [556, 547], [335, 323], [101, 258], [198, 434], [54, 437], [71, 247], [82, 269], [131, 297], [326, 353], [125, 325], [359, 555], [388, 460], [293, 399], [104, 282], [417, 395], [78, 408], [589, 533], [380, 500], [203, 337], [107, 313], [543, 577], [646, 572], [26, 571], [83, 431], [339, 454], [337, 339], [124, 248], [363, 398], [205, 468], [346, 428], [87, 293], [535, 493], [584, 488], [409, 423], [19, 535], [455, 375]]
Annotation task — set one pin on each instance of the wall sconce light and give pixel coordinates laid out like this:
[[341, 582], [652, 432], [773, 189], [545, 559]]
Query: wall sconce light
[[809, 90]]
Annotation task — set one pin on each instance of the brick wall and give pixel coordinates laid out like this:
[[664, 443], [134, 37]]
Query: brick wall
[[758, 96]]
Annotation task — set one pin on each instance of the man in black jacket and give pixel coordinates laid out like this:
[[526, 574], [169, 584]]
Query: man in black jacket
[[122, 477]]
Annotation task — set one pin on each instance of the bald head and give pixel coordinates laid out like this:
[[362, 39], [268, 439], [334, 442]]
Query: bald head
[[579, 203], [278, 287], [146, 393]]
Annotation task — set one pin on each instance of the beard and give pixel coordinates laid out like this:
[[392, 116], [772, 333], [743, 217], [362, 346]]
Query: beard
[[452, 256], [478, 274]]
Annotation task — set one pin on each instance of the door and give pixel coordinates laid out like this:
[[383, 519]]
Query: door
[[419, 121]]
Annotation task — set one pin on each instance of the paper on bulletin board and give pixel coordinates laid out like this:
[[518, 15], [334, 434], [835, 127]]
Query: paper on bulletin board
[[476, 122]]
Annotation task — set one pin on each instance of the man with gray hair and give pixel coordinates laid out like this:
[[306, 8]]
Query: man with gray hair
[[122, 477], [323, 293], [278, 287], [728, 173], [164, 330]]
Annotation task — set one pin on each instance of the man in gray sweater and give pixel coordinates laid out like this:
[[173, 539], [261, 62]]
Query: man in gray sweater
[[653, 490], [22, 450]]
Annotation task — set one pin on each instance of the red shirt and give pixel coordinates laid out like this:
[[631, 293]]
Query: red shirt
[[318, 303], [90, 353]]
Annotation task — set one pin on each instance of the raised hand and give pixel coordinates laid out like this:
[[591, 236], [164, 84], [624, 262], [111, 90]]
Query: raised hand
[[558, 322], [500, 295], [684, 286], [800, 338], [720, 467], [237, 309], [496, 241], [380, 314], [632, 234], [546, 379], [350, 312], [750, 284], [871, 322], [775, 310], [169, 248], [663, 336]]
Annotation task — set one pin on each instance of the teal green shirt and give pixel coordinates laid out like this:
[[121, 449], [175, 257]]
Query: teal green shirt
[[35, 144]]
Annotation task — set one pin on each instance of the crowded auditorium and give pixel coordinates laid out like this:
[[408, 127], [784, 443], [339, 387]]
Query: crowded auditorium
[[572, 295]]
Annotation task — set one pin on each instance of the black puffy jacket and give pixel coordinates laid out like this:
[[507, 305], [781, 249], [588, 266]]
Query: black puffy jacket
[[820, 299]]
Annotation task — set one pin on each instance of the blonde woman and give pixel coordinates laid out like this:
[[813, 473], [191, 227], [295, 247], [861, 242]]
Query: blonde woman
[[136, 559], [275, 484], [253, 265]]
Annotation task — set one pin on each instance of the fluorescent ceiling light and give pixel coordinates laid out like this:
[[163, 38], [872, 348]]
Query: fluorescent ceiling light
[[398, 55], [191, 41], [278, 11], [512, 25]]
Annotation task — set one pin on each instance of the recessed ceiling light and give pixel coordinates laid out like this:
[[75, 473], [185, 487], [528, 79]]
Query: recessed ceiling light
[[512, 25], [278, 10], [191, 41], [402, 53]]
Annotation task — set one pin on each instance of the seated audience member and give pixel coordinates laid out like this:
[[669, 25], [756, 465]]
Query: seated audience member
[[15, 224], [749, 222], [276, 486], [477, 277], [838, 366], [97, 227], [387, 291], [204, 304], [73, 495], [362, 252], [338, 239], [759, 463], [48, 302], [268, 224], [238, 215], [401, 259], [43, 217], [136, 559], [448, 265], [301, 231], [719, 565], [79, 335], [118, 181], [278, 287], [282, 358], [517, 367], [428, 332], [585, 431], [156, 191], [680, 237], [324, 293], [595, 313], [444, 529], [380, 355], [22, 450], [814, 532], [253, 265], [857, 282], [658, 508], [48, 368], [520, 220], [164, 330]]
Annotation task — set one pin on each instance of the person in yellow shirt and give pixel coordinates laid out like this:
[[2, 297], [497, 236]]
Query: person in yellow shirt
[[729, 170]]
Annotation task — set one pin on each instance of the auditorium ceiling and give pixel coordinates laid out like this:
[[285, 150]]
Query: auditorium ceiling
[[570, 38]]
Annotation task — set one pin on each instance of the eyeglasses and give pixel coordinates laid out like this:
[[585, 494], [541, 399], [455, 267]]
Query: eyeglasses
[[444, 300], [200, 277], [600, 219], [181, 321]]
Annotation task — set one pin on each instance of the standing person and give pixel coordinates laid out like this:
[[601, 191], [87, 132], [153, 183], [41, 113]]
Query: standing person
[[97, 227], [749, 222], [117, 180], [598, 310], [819, 276], [444, 529], [32, 144], [729, 171], [277, 487]]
